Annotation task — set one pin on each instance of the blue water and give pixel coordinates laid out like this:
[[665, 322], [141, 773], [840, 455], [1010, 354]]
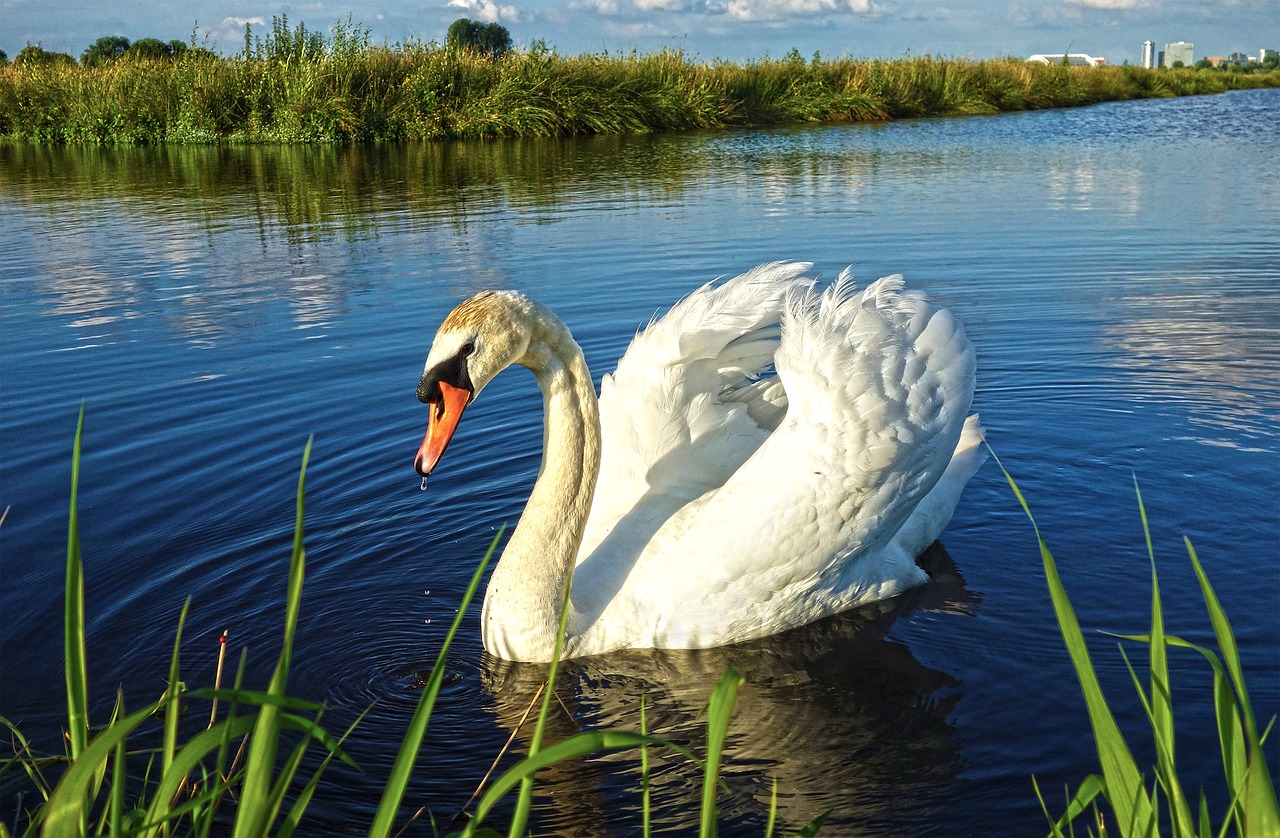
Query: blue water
[[1118, 269]]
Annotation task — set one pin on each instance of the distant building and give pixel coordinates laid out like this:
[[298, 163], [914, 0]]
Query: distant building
[[1148, 54], [1264, 54], [1216, 61], [1074, 59], [1178, 51]]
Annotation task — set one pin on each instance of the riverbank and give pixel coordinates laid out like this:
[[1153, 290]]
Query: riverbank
[[425, 92]]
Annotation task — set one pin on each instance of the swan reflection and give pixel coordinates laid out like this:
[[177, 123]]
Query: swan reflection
[[843, 717]]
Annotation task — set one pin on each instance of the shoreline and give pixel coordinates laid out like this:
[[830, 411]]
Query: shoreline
[[425, 93]]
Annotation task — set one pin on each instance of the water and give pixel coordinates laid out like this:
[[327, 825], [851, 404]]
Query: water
[[1118, 268]]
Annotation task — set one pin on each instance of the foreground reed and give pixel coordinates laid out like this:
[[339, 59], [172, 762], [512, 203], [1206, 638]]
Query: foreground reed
[[1122, 799], [235, 776], [350, 91], [241, 774]]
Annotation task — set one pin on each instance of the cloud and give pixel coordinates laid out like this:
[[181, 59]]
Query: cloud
[[1108, 5], [660, 5], [760, 10], [487, 11]]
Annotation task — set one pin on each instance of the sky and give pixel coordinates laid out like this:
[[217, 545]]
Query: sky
[[734, 30]]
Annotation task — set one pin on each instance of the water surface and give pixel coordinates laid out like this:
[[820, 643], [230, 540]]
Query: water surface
[[1118, 269]]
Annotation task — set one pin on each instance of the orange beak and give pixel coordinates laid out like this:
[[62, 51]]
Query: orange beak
[[440, 427]]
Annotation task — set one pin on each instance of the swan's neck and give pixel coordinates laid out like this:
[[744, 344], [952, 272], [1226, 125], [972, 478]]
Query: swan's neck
[[523, 599]]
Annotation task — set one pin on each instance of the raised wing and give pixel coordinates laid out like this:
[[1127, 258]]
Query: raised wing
[[877, 386], [694, 396]]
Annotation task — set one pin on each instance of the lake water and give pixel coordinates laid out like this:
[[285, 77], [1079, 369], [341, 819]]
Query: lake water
[[1118, 269]]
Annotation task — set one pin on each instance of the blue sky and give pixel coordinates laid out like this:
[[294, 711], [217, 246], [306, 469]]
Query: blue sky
[[729, 29]]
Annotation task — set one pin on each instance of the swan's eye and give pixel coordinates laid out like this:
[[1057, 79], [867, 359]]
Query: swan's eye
[[467, 348]]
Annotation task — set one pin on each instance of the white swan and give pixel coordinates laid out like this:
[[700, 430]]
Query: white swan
[[764, 456]]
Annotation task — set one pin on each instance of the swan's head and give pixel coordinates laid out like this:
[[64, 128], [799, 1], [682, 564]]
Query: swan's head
[[481, 337]]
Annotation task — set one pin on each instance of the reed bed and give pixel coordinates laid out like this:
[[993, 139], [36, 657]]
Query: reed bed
[[347, 91]]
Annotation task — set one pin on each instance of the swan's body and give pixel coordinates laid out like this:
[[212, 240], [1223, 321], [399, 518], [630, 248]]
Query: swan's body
[[764, 456]]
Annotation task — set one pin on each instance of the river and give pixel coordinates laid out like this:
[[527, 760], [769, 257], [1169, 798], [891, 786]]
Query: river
[[1117, 268]]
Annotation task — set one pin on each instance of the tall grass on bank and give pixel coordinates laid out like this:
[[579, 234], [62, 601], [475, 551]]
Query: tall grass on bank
[[241, 775], [342, 89], [1122, 798]]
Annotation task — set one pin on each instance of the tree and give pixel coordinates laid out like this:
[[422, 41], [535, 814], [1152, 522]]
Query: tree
[[35, 54], [1204, 64], [107, 48], [491, 39], [4, 58], [151, 48]]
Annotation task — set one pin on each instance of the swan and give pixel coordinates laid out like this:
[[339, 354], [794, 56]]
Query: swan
[[766, 454]]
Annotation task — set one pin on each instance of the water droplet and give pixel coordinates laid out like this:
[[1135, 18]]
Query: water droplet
[[424, 484]]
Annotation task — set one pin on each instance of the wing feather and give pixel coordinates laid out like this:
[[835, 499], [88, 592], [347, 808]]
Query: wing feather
[[877, 386], [693, 397]]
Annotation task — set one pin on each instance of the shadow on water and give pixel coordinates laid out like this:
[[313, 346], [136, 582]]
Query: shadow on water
[[843, 718]]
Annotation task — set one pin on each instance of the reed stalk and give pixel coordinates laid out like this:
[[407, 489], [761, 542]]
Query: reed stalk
[[1139, 806]]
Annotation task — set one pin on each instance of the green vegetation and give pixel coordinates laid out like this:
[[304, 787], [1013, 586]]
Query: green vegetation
[[485, 38], [114, 47], [1121, 798], [1267, 65], [138, 776], [133, 776], [298, 85]]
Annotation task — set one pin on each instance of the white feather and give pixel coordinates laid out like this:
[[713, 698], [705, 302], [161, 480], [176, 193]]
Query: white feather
[[730, 529], [768, 455]]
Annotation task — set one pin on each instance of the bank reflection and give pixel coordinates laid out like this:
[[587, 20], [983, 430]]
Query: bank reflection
[[841, 716]]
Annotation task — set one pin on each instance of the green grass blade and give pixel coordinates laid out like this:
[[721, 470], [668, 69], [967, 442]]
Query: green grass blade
[[252, 813], [173, 709], [811, 828], [1261, 812], [402, 769], [772, 822], [1161, 706], [645, 796], [67, 810], [295, 813], [116, 804], [578, 745], [719, 712], [283, 702], [1226, 642], [186, 760], [1124, 787], [285, 779], [30, 765], [1055, 827], [77, 677]]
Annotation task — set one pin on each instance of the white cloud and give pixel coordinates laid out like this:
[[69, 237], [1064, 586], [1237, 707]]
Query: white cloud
[[757, 10], [660, 5], [487, 11], [239, 22], [1108, 5]]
